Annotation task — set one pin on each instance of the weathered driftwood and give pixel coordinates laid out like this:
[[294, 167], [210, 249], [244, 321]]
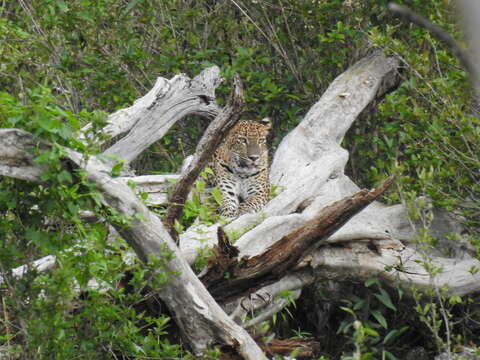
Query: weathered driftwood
[[149, 119], [200, 318], [309, 162], [202, 321], [40, 265], [155, 186], [16, 156], [309, 168]]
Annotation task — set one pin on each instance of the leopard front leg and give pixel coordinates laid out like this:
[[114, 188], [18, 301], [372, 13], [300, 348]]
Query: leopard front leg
[[230, 198]]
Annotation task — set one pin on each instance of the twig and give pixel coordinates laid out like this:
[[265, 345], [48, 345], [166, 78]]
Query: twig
[[462, 55]]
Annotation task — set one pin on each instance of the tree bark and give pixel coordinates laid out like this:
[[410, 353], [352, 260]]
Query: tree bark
[[202, 321]]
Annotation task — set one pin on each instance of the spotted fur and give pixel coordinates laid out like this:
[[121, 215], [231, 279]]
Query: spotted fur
[[240, 167]]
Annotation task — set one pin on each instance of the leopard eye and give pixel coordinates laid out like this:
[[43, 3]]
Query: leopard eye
[[243, 140]]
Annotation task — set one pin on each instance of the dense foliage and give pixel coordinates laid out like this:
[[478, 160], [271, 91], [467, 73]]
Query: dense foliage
[[66, 63]]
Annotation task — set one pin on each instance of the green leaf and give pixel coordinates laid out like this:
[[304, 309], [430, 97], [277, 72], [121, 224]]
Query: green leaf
[[388, 355], [130, 6], [385, 299], [117, 169], [294, 353], [177, 226], [39, 238], [49, 124], [348, 310], [379, 317], [371, 282], [358, 304], [371, 332], [455, 299], [394, 334], [217, 195]]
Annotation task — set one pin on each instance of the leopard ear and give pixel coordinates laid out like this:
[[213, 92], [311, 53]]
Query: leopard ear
[[267, 122]]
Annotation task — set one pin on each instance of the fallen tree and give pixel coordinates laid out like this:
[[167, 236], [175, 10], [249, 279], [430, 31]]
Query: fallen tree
[[288, 245]]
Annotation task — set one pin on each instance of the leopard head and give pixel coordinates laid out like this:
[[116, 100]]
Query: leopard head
[[248, 152]]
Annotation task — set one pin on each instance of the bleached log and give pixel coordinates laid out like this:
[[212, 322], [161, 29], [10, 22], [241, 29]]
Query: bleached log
[[155, 186], [393, 262], [275, 306], [309, 167], [197, 314], [248, 274], [16, 157], [197, 93], [309, 163], [211, 139], [171, 100], [40, 265]]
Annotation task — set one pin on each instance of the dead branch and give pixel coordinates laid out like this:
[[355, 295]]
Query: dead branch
[[305, 347], [247, 275], [202, 321], [17, 154], [309, 168], [209, 142], [169, 101]]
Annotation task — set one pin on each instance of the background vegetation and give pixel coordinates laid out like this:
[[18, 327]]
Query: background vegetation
[[65, 63]]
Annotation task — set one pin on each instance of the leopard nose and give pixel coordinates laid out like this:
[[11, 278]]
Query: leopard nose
[[254, 157]]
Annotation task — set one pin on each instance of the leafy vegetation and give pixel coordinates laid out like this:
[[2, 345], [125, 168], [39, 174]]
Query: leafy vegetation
[[67, 63]]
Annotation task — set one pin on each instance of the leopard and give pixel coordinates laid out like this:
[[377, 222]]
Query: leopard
[[241, 169]]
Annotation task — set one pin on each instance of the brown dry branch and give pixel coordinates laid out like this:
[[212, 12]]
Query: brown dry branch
[[303, 347], [201, 320], [207, 145]]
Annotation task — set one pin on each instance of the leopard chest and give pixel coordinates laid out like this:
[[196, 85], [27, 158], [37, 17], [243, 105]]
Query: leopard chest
[[240, 187]]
